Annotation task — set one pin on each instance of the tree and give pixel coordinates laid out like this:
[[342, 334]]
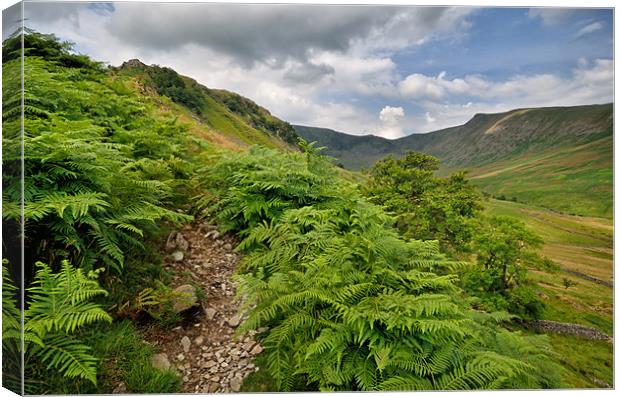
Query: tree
[[504, 249], [426, 207]]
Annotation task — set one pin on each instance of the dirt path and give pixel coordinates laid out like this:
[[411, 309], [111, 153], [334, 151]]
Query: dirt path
[[205, 350]]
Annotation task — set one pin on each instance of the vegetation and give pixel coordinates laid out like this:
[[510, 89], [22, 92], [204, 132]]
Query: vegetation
[[351, 305], [395, 280], [427, 207], [102, 172], [59, 305]]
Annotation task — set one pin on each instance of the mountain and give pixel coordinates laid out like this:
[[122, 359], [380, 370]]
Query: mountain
[[557, 157], [222, 117]]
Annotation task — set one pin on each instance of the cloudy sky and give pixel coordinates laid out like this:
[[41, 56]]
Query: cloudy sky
[[388, 71]]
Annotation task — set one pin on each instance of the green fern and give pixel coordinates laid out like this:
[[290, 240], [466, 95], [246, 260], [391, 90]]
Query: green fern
[[59, 305]]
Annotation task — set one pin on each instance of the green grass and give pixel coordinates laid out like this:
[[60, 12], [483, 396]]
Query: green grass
[[573, 180], [584, 360], [127, 358]]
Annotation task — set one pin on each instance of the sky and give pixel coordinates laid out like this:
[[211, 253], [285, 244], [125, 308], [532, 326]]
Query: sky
[[385, 70]]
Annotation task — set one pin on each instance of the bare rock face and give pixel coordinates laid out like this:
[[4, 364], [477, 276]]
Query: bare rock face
[[160, 361], [184, 297]]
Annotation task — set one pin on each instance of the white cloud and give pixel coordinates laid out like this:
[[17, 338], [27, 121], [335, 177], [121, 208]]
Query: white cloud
[[550, 15], [418, 86], [391, 118], [590, 28], [429, 118]]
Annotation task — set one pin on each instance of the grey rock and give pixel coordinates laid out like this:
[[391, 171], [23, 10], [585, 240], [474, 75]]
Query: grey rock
[[228, 247], [210, 313], [249, 345], [234, 321], [171, 242], [181, 242], [160, 361], [213, 387], [256, 350], [235, 383], [181, 357], [121, 388], [209, 364], [213, 235], [186, 343], [199, 340], [184, 297], [177, 256]]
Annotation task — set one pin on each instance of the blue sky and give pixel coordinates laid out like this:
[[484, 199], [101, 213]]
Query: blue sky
[[389, 71]]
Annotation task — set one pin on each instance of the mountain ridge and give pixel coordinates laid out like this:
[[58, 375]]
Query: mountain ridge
[[483, 132]]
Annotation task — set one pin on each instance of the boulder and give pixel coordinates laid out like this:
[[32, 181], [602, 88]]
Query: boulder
[[177, 256], [183, 298]]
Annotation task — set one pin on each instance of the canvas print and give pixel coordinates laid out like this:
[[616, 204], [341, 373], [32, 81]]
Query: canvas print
[[223, 198]]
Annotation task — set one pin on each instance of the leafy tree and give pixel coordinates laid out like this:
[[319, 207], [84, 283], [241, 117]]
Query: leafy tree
[[505, 248], [426, 207], [59, 305]]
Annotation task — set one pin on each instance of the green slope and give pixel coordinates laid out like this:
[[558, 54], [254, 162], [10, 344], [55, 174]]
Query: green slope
[[573, 180]]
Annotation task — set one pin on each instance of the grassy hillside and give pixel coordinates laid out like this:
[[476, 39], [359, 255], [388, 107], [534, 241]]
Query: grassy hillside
[[573, 180], [560, 158]]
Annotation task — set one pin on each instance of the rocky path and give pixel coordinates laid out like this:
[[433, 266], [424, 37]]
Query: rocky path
[[205, 350]]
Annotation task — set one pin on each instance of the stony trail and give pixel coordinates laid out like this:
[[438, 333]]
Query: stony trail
[[205, 350]]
